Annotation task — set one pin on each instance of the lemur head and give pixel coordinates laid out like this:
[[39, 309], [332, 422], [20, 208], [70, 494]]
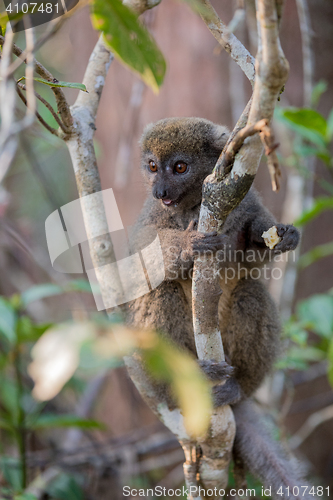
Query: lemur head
[[177, 155]]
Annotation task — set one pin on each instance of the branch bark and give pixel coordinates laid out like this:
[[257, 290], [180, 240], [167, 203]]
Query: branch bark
[[221, 194], [228, 40]]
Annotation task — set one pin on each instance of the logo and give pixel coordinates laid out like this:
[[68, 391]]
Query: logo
[[69, 250], [38, 12]]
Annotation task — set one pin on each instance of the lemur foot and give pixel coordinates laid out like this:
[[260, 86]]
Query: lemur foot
[[289, 238], [216, 372]]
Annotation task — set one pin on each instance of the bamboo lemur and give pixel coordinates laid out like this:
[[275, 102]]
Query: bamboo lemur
[[177, 155]]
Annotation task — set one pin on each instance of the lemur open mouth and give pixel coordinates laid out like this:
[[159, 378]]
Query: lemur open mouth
[[172, 203], [168, 202]]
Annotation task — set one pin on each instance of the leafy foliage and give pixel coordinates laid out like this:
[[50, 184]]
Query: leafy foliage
[[20, 414], [313, 315], [129, 40], [57, 83], [71, 347], [314, 135]]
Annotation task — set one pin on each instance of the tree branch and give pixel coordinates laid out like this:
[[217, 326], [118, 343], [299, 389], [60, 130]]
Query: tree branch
[[221, 194], [228, 40], [49, 107], [310, 425], [38, 116], [8, 127], [62, 105]]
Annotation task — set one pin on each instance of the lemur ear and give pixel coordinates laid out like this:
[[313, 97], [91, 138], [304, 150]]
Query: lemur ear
[[220, 136]]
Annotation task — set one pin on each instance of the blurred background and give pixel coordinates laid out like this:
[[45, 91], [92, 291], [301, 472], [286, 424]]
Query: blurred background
[[201, 80]]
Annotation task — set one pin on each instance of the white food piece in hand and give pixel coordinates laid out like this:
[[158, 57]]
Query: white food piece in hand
[[271, 237]]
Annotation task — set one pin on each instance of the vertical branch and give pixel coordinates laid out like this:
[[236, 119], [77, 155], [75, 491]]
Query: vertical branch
[[9, 128], [81, 148], [221, 194], [308, 57]]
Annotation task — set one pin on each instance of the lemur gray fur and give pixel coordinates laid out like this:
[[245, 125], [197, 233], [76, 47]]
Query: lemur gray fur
[[177, 155]]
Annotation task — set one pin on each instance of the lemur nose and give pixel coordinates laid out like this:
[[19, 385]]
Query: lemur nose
[[161, 193]]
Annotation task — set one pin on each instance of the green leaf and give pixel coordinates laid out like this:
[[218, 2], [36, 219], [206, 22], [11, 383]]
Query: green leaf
[[5, 425], [4, 17], [304, 150], [298, 358], [320, 205], [25, 496], [294, 331], [41, 291], [12, 470], [317, 92], [57, 83], [330, 125], [9, 395], [8, 319], [315, 254], [82, 286], [326, 185], [325, 156], [308, 123], [27, 331], [53, 420], [129, 40], [65, 487], [3, 22], [317, 313]]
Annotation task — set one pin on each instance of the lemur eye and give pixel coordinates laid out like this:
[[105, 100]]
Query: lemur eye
[[152, 166], [180, 167]]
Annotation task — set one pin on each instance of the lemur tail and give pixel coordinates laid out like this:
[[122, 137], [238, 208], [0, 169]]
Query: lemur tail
[[265, 458]]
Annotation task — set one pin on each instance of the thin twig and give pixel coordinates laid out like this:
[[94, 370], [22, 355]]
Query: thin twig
[[42, 121], [228, 40], [238, 17], [310, 425], [49, 107], [308, 59], [267, 138], [29, 70], [10, 128], [62, 104], [234, 146]]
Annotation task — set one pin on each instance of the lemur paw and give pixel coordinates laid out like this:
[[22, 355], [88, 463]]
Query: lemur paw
[[216, 372], [289, 238], [203, 242]]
